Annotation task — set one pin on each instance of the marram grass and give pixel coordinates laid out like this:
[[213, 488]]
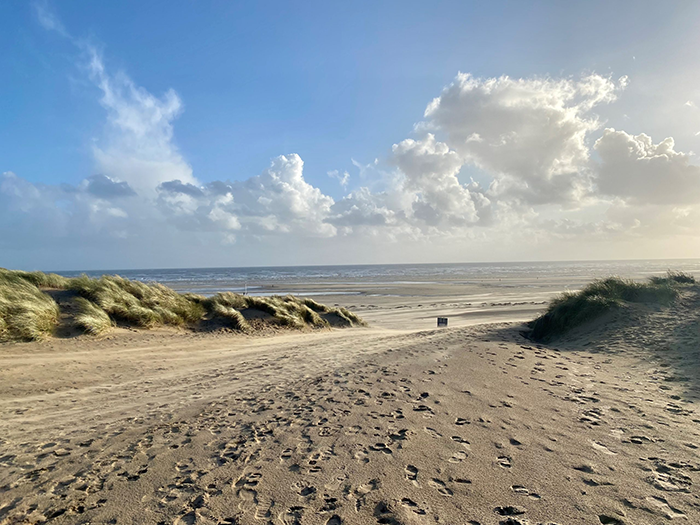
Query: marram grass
[[38, 279], [92, 319], [231, 317], [570, 310], [138, 304], [27, 313]]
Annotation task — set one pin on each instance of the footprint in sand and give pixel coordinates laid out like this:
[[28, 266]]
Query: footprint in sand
[[427, 411], [669, 480], [327, 431], [519, 489], [303, 489], [249, 499], [361, 454], [666, 509], [263, 511], [596, 483], [200, 501], [248, 480], [329, 504], [182, 467], [381, 447], [188, 519], [505, 461], [244, 490], [409, 503], [291, 516], [460, 421], [366, 488], [432, 432], [411, 474], [440, 486], [602, 448], [334, 484], [458, 457], [384, 515], [401, 435], [461, 441], [509, 510]]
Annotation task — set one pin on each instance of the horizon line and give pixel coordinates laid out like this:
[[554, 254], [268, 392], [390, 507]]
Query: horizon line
[[106, 271]]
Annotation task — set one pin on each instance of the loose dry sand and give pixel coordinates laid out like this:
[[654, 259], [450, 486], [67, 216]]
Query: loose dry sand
[[400, 423]]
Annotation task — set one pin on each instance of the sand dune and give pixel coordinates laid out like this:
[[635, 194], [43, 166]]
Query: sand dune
[[465, 425]]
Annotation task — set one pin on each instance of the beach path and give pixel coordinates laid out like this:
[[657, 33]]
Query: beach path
[[458, 425]]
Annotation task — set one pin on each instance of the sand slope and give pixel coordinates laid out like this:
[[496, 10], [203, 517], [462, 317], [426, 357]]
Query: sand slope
[[458, 426]]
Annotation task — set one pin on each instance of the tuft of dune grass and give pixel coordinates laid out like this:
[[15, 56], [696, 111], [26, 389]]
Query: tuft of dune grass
[[572, 309], [354, 319], [295, 313], [313, 305], [672, 277], [264, 304], [286, 311], [92, 319], [290, 311], [136, 303], [312, 318], [229, 299], [232, 317], [26, 313], [38, 279], [343, 313]]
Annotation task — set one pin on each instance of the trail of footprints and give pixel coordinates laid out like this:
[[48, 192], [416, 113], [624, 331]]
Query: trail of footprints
[[295, 435]]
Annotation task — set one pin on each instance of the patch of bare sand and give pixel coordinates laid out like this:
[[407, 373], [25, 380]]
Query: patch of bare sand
[[458, 426]]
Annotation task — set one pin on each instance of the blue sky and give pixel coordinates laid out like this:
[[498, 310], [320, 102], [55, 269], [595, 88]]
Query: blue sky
[[329, 82], [326, 80]]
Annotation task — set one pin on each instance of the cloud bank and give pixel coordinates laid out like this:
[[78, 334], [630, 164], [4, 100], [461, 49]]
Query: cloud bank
[[546, 172]]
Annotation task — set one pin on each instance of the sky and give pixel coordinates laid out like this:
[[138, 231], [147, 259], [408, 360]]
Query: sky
[[203, 134]]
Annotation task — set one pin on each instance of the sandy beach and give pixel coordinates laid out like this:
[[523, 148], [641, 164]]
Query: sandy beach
[[398, 423]]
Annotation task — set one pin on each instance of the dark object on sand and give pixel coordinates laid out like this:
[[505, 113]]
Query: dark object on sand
[[442, 321]]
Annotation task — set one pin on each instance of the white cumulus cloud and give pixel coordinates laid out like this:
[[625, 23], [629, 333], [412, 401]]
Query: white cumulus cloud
[[636, 169], [529, 133]]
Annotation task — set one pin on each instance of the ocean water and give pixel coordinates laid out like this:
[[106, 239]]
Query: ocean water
[[265, 280]]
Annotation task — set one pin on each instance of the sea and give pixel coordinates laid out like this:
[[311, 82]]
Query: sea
[[274, 279]]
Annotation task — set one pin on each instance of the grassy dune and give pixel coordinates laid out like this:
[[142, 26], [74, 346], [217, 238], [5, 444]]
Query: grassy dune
[[28, 312], [573, 309]]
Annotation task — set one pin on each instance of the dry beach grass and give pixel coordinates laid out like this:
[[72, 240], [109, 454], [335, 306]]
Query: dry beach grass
[[572, 309], [28, 311]]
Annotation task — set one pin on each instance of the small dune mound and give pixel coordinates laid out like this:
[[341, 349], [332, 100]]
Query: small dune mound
[[289, 311], [573, 309], [137, 304], [29, 309]]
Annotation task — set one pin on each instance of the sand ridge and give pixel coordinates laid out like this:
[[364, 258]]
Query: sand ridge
[[469, 425]]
